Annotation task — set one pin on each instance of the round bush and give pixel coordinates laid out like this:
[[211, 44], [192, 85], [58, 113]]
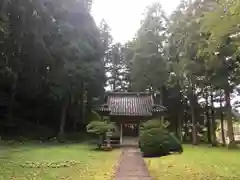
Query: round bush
[[156, 142]]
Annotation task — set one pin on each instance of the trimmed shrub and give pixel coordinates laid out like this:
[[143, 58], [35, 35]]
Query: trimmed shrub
[[155, 142], [175, 144], [94, 116], [154, 123], [102, 129], [150, 124]]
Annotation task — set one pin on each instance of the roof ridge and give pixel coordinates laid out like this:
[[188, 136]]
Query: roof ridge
[[129, 93]]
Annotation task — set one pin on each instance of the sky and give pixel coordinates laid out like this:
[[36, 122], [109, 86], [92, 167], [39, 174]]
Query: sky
[[124, 16]]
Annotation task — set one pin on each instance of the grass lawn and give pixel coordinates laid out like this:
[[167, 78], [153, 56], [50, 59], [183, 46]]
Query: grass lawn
[[197, 163], [56, 162]]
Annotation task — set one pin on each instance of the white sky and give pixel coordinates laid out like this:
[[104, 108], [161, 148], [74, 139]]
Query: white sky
[[124, 16]]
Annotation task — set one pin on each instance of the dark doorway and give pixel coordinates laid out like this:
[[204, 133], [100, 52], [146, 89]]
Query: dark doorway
[[130, 129]]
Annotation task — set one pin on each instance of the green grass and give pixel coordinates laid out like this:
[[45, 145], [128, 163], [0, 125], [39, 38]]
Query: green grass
[[197, 163], [90, 164]]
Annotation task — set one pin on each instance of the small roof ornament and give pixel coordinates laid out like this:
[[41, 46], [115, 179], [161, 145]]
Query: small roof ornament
[[158, 108], [104, 109]]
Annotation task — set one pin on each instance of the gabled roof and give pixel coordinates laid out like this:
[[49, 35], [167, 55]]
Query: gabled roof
[[130, 104]]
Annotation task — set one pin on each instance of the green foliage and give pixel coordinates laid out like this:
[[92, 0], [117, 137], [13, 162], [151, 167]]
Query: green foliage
[[95, 116], [54, 59], [203, 55], [221, 23], [157, 141], [150, 124], [100, 127], [148, 65], [155, 123], [51, 54], [115, 60]]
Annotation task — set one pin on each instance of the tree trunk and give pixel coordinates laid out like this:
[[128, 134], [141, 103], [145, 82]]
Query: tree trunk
[[177, 126], [114, 77], [193, 101], [89, 106], [208, 119], [230, 132], [180, 124], [161, 99], [194, 124], [65, 105], [12, 99], [185, 122], [194, 127], [222, 122], [100, 141], [180, 129], [76, 115], [82, 104], [161, 103], [180, 110], [186, 133], [213, 124]]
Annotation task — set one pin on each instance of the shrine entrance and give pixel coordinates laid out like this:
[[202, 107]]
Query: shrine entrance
[[128, 110], [130, 129]]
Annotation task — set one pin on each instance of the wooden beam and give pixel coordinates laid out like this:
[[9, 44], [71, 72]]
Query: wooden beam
[[121, 133]]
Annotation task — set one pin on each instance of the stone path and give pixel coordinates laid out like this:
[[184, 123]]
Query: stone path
[[132, 166]]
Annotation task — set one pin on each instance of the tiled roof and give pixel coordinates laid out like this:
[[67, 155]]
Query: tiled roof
[[130, 104]]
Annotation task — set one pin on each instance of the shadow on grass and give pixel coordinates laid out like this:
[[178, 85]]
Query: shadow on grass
[[16, 146], [159, 156], [105, 149], [219, 146], [162, 154]]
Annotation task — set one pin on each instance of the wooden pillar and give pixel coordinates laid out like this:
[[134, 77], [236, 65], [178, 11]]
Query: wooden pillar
[[162, 119], [138, 129], [121, 133]]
